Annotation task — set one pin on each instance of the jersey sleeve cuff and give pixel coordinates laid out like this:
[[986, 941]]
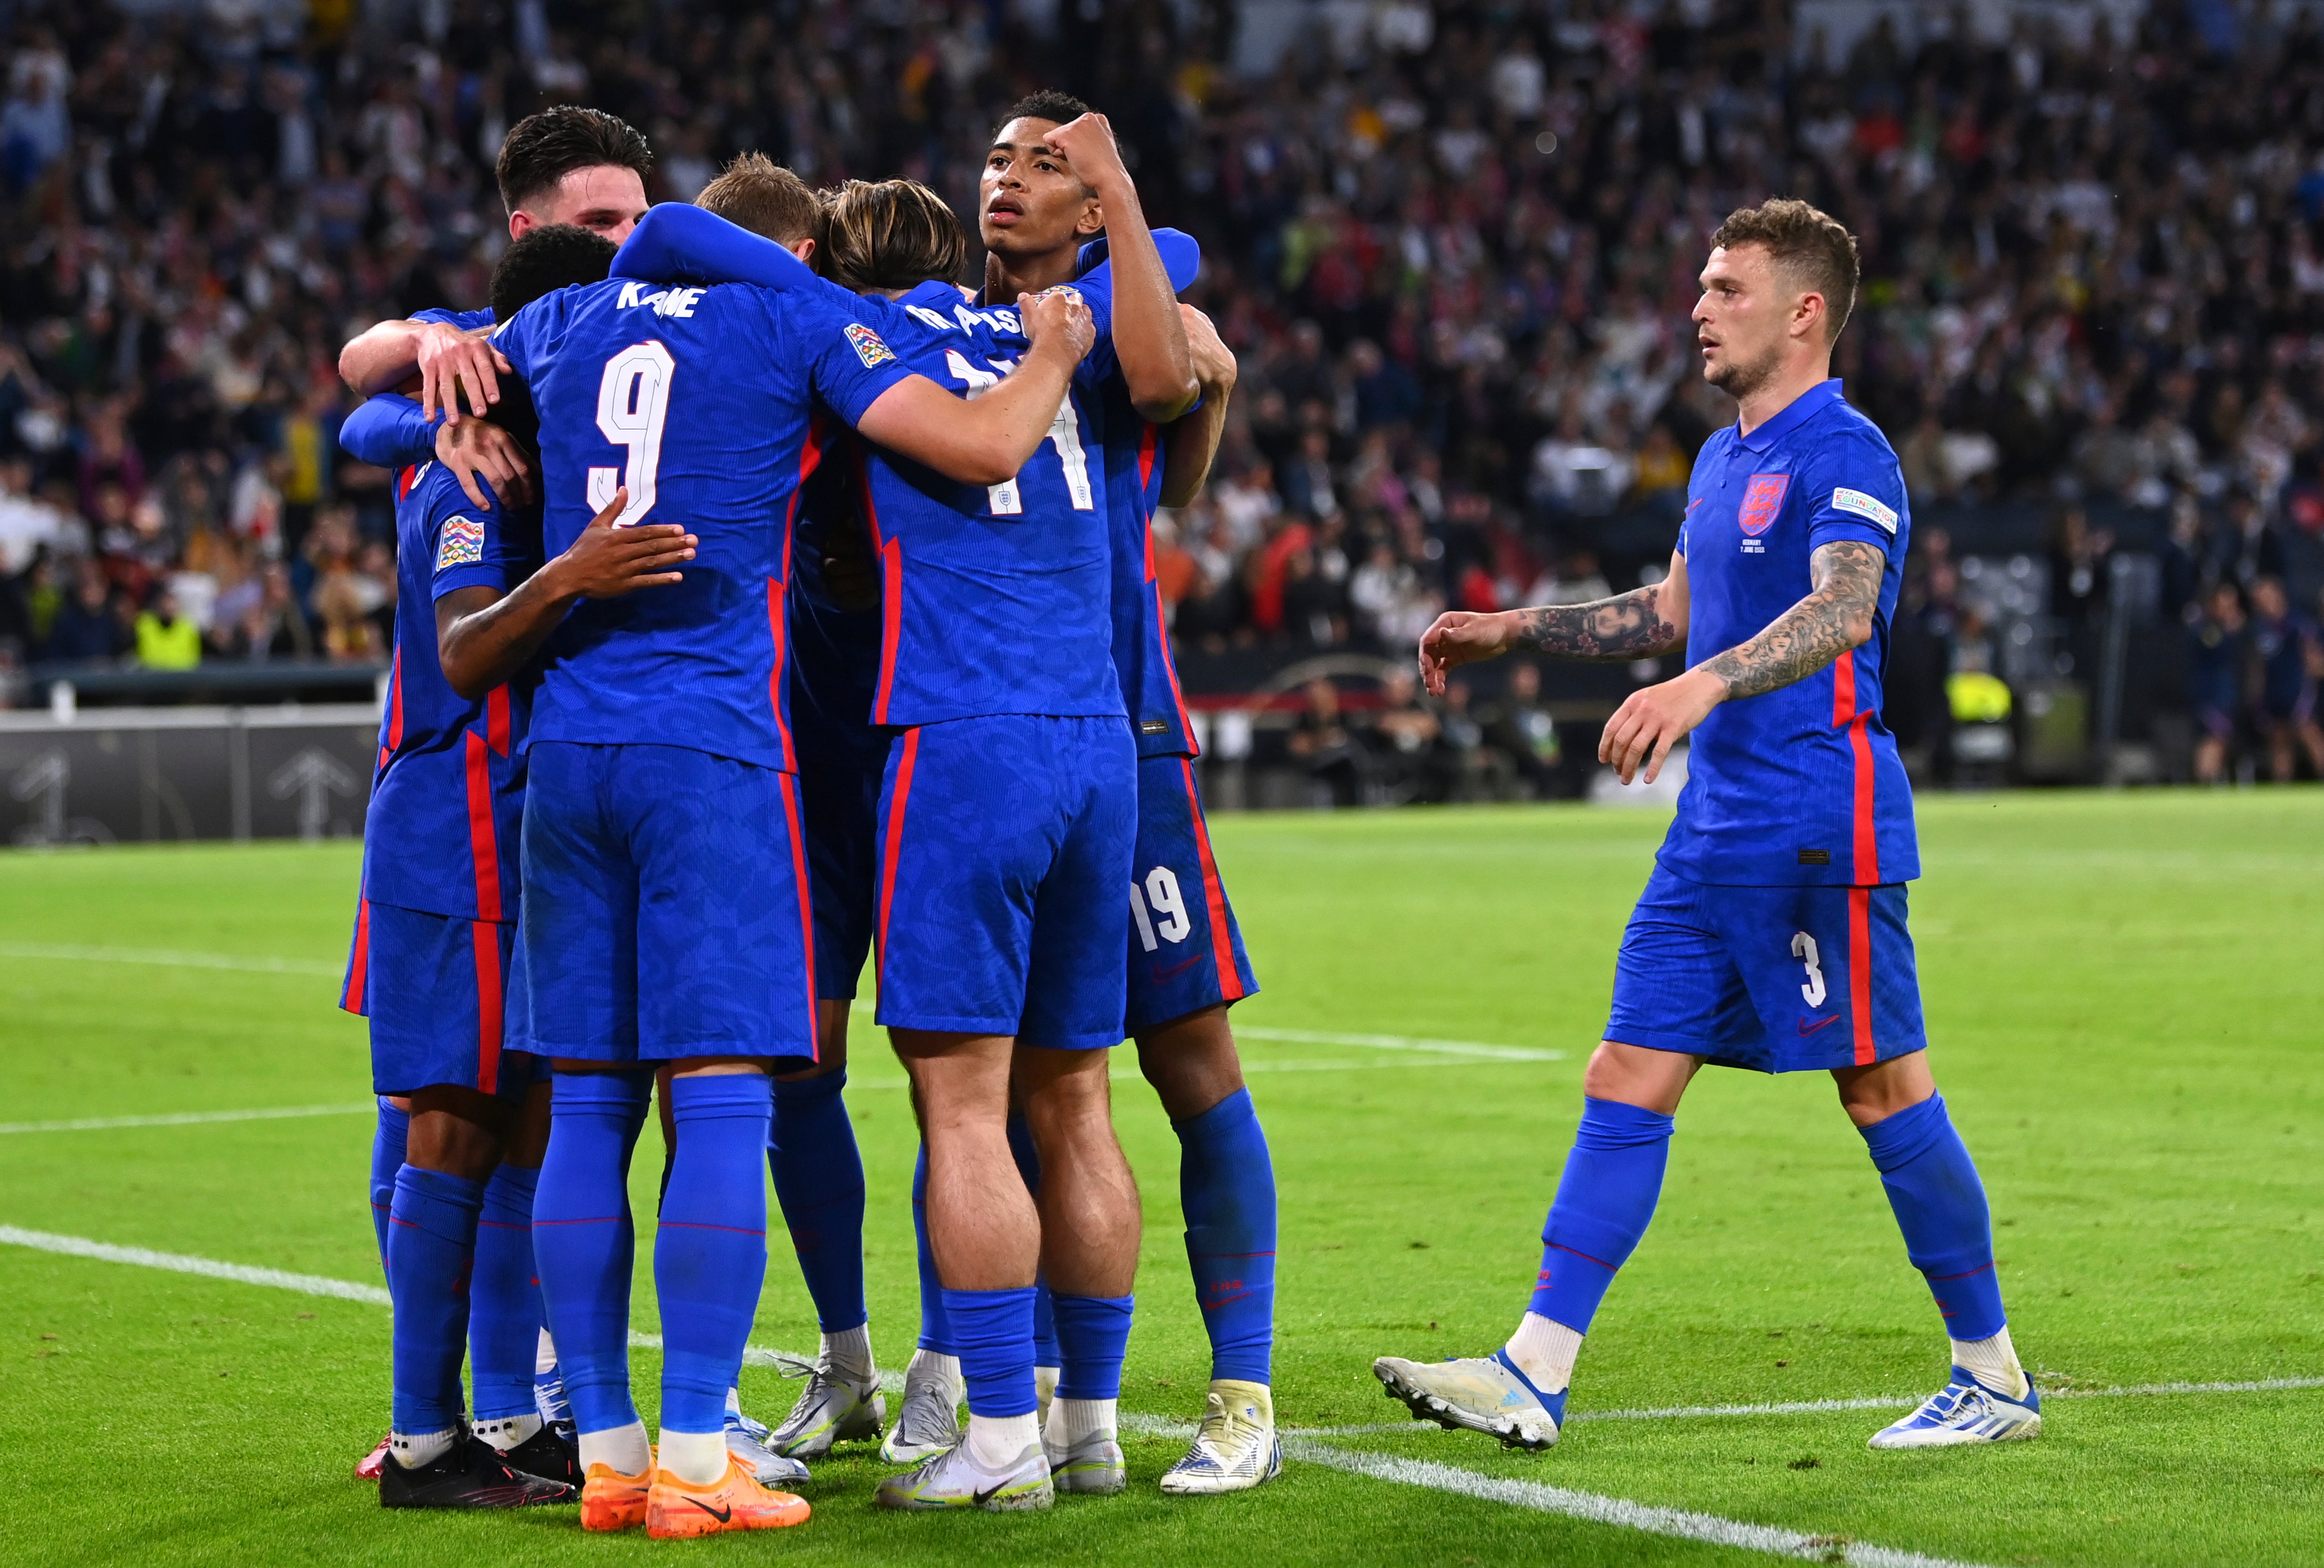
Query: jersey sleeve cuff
[[1831, 528], [454, 579]]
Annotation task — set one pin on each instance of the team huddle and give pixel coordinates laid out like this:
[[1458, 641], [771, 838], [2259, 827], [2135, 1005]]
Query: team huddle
[[777, 603], [774, 601]]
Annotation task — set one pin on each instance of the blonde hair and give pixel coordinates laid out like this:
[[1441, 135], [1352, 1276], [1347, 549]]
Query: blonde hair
[[758, 194], [896, 233]]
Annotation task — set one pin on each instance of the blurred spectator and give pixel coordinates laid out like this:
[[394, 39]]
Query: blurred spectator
[[87, 625], [167, 637], [1404, 735], [2221, 658], [1320, 742], [1521, 730], [2290, 656]]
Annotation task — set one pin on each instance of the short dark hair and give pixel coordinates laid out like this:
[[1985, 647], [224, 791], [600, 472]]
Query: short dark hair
[[543, 259], [758, 194], [896, 234], [546, 147], [1062, 108], [1809, 245], [538, 263]]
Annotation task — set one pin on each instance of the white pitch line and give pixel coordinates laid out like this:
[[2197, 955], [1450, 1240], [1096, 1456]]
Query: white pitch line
[[182, 1263], [1401, 1043], [163, 958], [188, 1118], [1681, 1523]]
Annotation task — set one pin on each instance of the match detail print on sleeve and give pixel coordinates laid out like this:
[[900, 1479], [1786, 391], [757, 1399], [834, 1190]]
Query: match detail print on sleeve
[[1866, 506]]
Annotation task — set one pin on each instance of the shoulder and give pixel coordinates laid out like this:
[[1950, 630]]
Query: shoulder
[[1842, 433]]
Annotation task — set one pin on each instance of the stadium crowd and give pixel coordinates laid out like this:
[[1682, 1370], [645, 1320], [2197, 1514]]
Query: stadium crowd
[[1454, 248]]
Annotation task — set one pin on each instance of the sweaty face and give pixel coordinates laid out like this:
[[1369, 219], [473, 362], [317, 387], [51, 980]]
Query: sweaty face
[[603, 198], [1029, 201], [1742, 320]]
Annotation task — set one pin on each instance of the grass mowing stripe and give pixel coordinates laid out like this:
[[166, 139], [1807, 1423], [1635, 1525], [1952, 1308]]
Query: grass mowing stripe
[[189, 1118], [1401, 1043], [166, 958], [1604, 1511]]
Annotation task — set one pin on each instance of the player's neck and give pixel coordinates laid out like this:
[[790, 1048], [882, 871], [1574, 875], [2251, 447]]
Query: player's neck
[[1006, 277], [1779, 391]]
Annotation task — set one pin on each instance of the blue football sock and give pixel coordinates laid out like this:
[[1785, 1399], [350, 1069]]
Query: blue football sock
[[819, 1182], [936, 1334], [992, 1331], [1612, 1179], [387, 1144], [1094, 1332], [1941, 1207], [1046, 1352], [710, 1255], [583, 1244], [432, 1246], [1226, 1190], [505, 1302]]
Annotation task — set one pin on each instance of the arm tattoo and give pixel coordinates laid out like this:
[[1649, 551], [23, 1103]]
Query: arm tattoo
[[1835, 617], [1627, 626]]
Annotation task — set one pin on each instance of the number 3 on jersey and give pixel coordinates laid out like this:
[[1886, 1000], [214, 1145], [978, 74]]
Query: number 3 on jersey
[[1065, 435], [633, 405]]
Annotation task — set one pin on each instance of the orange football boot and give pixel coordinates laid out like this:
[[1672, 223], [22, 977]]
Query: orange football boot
[[367, 1467], [677, 1508], [611, 1500]]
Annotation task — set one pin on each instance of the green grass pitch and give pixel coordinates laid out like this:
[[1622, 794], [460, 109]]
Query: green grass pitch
[[2123, 994]]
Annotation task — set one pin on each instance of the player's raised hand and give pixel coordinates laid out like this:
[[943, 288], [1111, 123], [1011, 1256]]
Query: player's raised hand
[[1214, 362], [1460, 637], [480, 454], [1088, 144], [451, 360], [1057, 317], [607, 562], [1654, 719]]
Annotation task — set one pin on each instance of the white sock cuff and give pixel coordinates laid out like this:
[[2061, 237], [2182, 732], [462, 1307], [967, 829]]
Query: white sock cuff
[[695, 1458], [544, 1355], [510, 1431], [623, 1450], [994, 1441], [848, 1353], [1545, 1351], [1071, 1420], [1994, 1362], [413, 1448]]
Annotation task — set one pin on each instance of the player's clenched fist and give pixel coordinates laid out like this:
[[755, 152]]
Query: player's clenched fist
[[1087, 143], [1214, 361], [606, 562], [1460, 637], [1058, 316]]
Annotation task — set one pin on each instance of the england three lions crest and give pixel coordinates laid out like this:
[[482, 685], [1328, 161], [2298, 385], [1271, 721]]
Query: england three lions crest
[[1762, 501]]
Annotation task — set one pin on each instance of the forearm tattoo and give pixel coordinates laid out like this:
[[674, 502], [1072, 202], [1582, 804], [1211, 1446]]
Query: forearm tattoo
[[1627, 626], [1835, 616]]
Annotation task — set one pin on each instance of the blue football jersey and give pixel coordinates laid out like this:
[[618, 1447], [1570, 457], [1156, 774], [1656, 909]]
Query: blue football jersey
[[1801, 785], [441, 833], [994, 599], [698, 400]]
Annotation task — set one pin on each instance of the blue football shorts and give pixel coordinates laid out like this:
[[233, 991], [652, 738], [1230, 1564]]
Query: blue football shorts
[[840, 766], [1185, 950], [1004, 844], [665, 909], [435, 988], [1781, 980]]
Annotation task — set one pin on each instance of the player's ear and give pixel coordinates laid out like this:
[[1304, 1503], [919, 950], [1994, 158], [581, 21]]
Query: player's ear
[[805, 250], [1092, 220]]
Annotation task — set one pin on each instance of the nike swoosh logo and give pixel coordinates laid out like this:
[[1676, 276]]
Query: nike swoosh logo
[[722, 1515], [986, 1496], [1808, 1028], [1161, 974]]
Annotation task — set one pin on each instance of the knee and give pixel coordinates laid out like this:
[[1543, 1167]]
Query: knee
[[1636, 1076], [1190, 1063]]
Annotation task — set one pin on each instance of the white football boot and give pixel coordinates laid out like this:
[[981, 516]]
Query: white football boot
[[1483, 1394], [927, 1422], [829, 1409], [1966, 1411], [955, 1480], [746, 1440], [1235, 1448]]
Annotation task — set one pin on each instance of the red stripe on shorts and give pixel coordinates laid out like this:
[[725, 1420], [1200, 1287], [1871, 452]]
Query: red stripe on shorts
[[483, 844], [1846, 714], [486, 939], [1222, 944], [896, 805], [358, 967], [806, 909]]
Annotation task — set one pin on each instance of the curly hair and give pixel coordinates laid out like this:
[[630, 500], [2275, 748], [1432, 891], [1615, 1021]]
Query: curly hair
[[1813, 248]]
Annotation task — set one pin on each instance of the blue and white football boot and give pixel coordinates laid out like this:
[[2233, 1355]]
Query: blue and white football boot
[[1484, 1394], [1966, 1411]]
